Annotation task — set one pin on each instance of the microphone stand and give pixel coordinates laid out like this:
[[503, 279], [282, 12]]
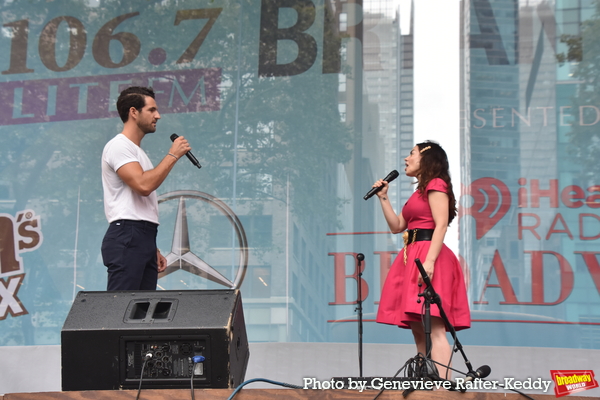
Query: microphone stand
[[431, 297], [425, 367], [360, 257]]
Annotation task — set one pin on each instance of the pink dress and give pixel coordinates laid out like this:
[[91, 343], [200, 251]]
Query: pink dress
[[398, 304]]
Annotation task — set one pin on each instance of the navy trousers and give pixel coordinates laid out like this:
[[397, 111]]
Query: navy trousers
[[129, 253]]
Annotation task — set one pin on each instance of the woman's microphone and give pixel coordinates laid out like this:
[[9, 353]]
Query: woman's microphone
[[391, 176]]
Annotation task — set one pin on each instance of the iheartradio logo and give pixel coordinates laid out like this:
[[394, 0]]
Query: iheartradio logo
[[491, 202]]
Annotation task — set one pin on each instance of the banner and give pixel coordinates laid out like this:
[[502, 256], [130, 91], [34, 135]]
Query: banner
[[294, 108]]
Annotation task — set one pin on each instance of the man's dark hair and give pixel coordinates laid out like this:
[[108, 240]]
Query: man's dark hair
[[134, 96]]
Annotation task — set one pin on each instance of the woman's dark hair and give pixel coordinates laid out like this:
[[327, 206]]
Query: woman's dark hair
[[134, 96], [434, 164]]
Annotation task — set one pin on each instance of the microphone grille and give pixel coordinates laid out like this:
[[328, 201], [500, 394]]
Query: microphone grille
[[391, 176], [174, 136], [484, 371]]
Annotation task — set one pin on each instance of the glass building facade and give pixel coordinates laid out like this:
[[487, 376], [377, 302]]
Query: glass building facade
[[294, 109], [530, 222]]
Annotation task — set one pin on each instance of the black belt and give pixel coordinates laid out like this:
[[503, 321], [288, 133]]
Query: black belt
[[142, 224], [419, 235]]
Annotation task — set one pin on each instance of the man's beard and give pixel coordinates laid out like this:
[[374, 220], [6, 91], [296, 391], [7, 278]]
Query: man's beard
[[147, 128]]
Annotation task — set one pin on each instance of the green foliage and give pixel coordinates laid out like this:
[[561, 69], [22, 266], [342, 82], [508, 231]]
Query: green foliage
[[584, 52]]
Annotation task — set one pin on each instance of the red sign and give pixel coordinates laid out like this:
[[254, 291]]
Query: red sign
[[571, 381]]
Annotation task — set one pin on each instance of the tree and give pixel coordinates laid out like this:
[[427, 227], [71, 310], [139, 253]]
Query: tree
[[584, 52]]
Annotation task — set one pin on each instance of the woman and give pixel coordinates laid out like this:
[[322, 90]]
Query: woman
[[426, 215]]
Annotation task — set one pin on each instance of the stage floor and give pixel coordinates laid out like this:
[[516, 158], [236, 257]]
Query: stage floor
[[271, 394]]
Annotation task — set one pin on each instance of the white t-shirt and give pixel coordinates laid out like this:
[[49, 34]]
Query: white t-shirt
[[120, 201]]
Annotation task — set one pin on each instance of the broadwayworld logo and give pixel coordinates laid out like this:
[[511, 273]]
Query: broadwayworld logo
[[571, 381]]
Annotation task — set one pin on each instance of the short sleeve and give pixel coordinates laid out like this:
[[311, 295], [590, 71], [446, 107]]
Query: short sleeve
[[119, 154], [438, 185]]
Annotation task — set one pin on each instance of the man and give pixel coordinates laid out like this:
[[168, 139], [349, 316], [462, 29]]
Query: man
[[130, 181]]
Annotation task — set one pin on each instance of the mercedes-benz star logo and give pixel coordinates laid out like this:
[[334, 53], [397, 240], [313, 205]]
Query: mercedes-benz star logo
[[182, 258]]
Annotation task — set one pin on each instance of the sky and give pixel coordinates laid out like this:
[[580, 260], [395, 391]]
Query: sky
[[437, 83], [436, 80]]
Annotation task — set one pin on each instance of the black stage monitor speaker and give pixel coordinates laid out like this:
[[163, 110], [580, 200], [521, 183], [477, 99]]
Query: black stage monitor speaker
[[107, 336]]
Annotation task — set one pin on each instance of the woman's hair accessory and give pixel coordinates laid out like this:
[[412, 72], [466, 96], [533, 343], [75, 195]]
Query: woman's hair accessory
[[424, 148]]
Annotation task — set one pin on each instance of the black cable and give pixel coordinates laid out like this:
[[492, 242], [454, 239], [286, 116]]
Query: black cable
[[192, 381], [414, 370], [448, 367], [288, 385], [146, 358], [195, 360], [414, 366], [395, 375], [421, 360]]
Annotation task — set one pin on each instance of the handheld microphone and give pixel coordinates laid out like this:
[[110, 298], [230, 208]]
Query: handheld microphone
[[390, 177], [480, 373], [189, 154]]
